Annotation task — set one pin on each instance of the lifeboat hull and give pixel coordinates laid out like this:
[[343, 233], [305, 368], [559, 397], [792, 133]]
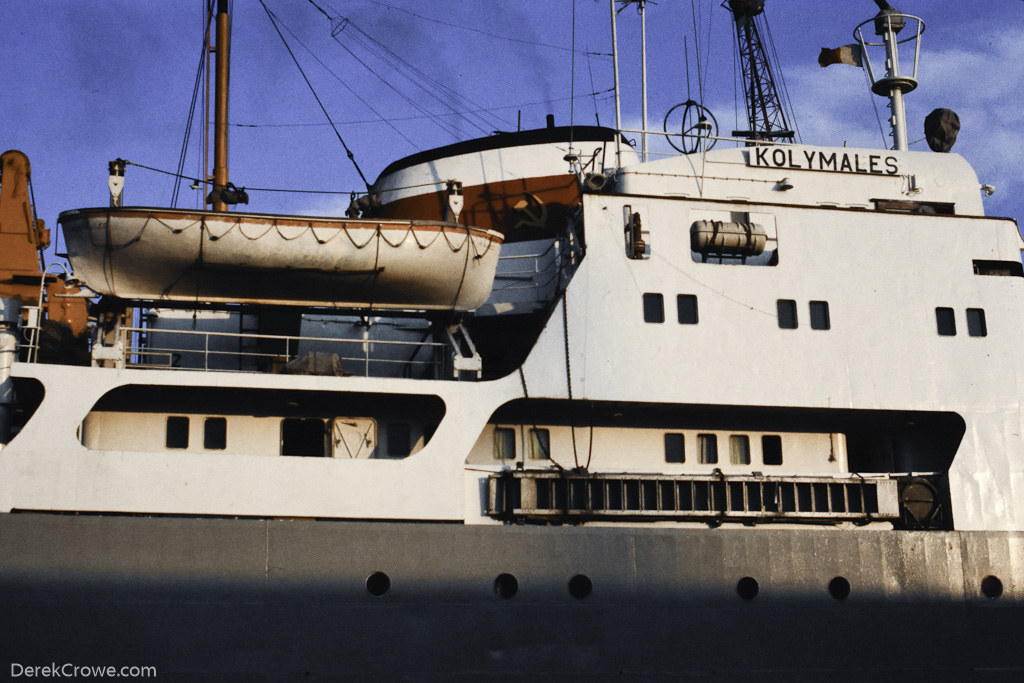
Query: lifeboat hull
[[201, 256]]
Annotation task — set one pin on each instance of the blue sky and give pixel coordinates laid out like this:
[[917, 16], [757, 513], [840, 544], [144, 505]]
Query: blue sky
[[84, 82]]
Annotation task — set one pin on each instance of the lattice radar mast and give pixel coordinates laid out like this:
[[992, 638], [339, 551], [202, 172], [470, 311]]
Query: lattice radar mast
[[765, 116]]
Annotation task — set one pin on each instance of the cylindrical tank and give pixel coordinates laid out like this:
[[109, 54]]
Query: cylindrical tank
[[726, 238]]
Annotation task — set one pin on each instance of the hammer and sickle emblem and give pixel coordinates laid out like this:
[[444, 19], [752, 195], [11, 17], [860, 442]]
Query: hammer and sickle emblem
[[533, 210]]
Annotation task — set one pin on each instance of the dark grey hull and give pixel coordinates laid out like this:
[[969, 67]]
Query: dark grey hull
[[226, 600]]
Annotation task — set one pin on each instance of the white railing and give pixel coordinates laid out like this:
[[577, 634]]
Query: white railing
[[145, 347]]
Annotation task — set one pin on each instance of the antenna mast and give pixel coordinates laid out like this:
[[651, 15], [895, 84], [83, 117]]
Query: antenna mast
[[765, 117], [894, 84]]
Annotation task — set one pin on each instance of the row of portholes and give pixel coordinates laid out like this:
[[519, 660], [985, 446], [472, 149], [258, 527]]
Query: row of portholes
[[580, 586], [505, 585], [839, 587]]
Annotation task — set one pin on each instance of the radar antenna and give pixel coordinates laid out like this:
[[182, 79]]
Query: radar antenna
[[765, 116]]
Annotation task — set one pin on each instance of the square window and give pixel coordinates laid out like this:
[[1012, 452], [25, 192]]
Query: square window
[[177, 432], [654, 308], [300, 436], [707, 447], [771, 449], [504, 443], [540, 444], [686, 306], [399, 439], [819, 316], [945, 321], [675, 450], [215, 433], [787, 314], [976, 326], [739, 449]]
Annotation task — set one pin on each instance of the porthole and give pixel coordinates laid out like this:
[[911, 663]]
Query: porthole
[[839, 588], [580, 586], [378, 583], [747, 588], [506, 585], [991, 587]]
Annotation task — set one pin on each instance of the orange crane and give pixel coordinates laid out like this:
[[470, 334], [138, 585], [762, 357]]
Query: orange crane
[[22, 240]]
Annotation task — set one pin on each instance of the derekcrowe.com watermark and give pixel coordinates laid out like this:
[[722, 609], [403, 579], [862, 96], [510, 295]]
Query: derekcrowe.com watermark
[[68, 670]]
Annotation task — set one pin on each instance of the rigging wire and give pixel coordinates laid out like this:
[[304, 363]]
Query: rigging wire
[[412, 74], [181, 177], [353, 92], [736, 76], [572, 79], [874, 105], [707, 56], [787, 102], [696, 52], [412, 103], [348, 152], [192, 107], [468, 28], [600, 95], [593, 92]]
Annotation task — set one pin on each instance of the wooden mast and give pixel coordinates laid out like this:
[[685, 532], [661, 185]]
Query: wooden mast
[[220, 115]]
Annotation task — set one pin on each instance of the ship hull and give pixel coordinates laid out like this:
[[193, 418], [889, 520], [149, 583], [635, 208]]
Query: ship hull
[[247, 599]]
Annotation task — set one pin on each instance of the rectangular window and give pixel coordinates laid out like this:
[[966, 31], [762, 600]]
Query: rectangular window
[[999, 268], [177, 432], [707, 449], [540, 444], [945, 321], [504, 443], [976, 326], [399, 439], [686, 306], [301, 436], [771, 449], [739, 449], [674, 448], [787, 314], [654, 308], [819, 316], [215, 433]]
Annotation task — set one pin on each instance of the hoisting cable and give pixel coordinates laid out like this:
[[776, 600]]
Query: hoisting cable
[[348, 152]]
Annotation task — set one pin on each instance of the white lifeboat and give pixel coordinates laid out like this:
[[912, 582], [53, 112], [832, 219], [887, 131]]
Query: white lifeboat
[[202, 256]]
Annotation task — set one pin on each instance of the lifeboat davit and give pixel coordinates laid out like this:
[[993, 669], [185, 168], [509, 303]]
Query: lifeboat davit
[[520, 184], [155, 254]]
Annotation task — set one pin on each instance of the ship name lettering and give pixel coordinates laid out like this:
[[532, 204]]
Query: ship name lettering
[[814, 160]]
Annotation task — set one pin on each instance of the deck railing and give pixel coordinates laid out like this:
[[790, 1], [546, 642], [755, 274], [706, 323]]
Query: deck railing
[[168, 349]]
